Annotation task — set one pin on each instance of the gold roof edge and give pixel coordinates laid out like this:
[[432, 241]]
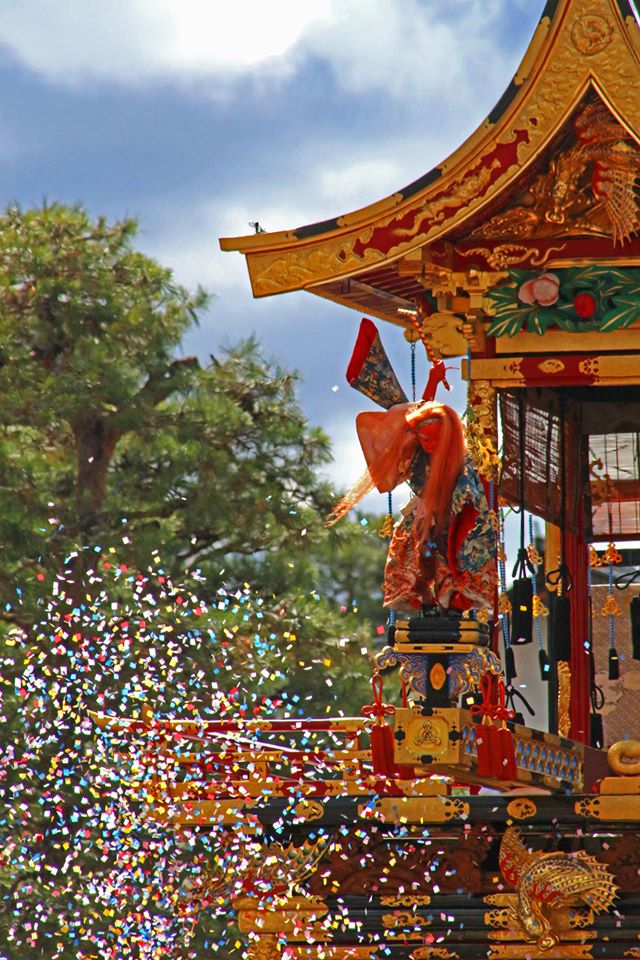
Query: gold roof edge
[[577, 45]]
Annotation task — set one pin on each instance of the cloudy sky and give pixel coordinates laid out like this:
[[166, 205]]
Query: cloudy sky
[[199, 116]]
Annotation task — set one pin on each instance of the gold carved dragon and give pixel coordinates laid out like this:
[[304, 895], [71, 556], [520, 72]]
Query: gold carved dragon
[[589, 188]]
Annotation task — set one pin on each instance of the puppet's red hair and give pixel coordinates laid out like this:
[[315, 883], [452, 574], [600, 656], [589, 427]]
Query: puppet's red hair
[[445, 465], [389, 441]]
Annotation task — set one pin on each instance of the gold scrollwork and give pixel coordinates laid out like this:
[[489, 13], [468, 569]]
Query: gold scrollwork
[[433, 953], [466, 675], [560, 199], [408, 900], [481, 428], [505, 255], [404, 919]]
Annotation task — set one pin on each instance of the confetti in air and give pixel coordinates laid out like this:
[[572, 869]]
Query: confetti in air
[[86, 870]]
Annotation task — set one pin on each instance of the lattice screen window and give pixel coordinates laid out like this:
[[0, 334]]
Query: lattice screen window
[[614, 462], [538, 455]]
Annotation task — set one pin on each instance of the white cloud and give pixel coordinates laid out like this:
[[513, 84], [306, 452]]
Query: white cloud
[[184, 237], [370, 44], [132, 40], [351, 185], [403, 47], [234, 35]]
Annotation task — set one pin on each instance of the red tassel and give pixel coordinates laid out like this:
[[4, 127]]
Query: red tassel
[[405, 771], [495, 749], [382, 741], [382, 750], [508, 755], [495, 754], [482, 748]]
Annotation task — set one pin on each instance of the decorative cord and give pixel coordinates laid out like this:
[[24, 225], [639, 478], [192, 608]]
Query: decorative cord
[[503, 614], [538, 608], [413, 370], [392, 613]]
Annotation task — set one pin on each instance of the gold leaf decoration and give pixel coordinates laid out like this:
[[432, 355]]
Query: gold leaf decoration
[[610, 607], [504, 604], [595, 560], [386, 529], [538, 608], [612, 554], [534, 555]]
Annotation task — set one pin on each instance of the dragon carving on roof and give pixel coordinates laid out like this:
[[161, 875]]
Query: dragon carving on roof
[[590, 188]]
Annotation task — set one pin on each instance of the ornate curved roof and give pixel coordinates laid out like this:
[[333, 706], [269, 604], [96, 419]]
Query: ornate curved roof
[[581, 50]]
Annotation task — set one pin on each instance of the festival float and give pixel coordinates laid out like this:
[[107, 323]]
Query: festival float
[[440, 823]]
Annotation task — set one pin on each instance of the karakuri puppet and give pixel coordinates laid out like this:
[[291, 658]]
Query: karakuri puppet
[[443, 549]]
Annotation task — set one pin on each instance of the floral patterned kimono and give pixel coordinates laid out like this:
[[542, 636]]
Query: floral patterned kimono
[[456, 570]]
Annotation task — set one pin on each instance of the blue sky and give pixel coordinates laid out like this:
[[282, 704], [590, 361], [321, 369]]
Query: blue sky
[[198, 116]]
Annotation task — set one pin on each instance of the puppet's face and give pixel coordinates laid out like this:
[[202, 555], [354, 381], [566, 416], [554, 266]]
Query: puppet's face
[[428, 432]]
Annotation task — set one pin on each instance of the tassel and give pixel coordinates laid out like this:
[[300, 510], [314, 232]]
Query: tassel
[[596, 730], [635, 628], [382, 750], [545, 666], [482, 748], [382, 740], [559, 628], [522, 611], [509, 769], [614, 664], [509, 665], [495, 752], [404, 771]]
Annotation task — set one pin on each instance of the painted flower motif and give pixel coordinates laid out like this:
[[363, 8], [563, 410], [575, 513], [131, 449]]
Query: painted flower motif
[[543, 290], [585, 305]]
